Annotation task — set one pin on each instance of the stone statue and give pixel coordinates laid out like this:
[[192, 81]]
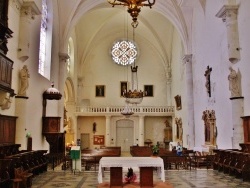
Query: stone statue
[[234, 83], [24, 81], [69, 125]]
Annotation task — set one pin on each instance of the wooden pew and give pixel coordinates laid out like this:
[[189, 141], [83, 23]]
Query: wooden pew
[[5, 181], [24, 176], [234, 162], [8, 149], [91, 157], [170, 158], [242, 167], [146, 151], [31, 161]]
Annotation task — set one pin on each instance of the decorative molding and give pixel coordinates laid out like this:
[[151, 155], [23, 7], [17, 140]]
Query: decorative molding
[[63, 56], [29, 9], [16, 5], [187, 58], [227, 11]]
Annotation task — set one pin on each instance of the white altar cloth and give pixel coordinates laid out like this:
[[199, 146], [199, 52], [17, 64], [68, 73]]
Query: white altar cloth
[[132, 162]]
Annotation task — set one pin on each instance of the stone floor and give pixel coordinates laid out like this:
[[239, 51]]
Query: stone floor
[[200, 178], [194, 178]]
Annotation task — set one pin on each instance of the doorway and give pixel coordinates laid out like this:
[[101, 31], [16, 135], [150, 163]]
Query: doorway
[[85, 140], [125, 134]]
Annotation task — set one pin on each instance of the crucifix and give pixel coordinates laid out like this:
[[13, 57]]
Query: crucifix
[[207, 75]]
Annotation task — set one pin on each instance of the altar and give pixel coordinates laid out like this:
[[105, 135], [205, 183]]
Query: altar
[[145, 164]]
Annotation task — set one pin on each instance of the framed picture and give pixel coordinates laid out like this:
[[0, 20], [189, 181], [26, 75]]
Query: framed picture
[[149, 91], [178, 102], [123, 87], [100, 90], [98, 139]]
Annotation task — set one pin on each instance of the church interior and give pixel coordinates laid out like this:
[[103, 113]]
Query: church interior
[[88, 83]]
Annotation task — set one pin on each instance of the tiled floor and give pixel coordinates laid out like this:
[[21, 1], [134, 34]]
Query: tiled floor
[[200, 178]]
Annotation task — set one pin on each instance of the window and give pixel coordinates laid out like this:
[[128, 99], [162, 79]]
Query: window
[[43, 28], [124, 52], [45, 40], [70, 61]]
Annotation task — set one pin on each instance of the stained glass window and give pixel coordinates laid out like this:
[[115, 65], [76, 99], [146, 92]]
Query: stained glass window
[[43, 30], [124, 52]]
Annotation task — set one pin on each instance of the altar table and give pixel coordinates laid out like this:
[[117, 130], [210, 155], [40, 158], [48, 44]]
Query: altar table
[[130, 162]]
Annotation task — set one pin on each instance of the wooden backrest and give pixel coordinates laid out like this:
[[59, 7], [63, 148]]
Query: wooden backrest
[[114, 151]]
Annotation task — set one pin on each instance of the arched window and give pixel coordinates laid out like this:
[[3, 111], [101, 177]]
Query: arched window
[[70, 61], [45, 41]]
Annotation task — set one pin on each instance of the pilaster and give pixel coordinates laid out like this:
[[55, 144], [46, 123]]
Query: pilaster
[[61, 81], [190, 101], [108, 126], [28, 10], [22, 121], [141, 131], [237, 113], [229, 13]]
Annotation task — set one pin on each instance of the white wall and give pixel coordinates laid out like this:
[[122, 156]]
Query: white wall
[[37, 84]]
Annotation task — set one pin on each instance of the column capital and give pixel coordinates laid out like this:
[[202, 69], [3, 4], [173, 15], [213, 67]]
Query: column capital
[[228, 11], [187, 58], [29, 9], [63, 56]]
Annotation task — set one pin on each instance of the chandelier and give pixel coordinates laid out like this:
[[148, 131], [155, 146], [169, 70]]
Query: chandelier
[[134, 7], [127, 112], [134, 95]]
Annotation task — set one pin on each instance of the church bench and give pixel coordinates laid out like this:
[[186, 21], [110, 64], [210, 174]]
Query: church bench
[[146, 151], [32, 161], [91, 157], [116, 148], [245, 147], [8, 149], [172, 161], [222, 158], [201, 160], [23, 176], [217, 157], [5, 180], [234, 162], [228, 158], [242, 167]]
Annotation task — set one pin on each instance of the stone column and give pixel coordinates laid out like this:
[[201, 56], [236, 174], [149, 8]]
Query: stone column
[[169, 81], [190, 102], [141, 131], [108, 125], [28, 10], [61, 82], [237, 113], [229, 13], [22, 122]]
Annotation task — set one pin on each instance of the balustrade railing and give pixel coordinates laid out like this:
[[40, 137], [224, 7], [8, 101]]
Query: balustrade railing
[[118, 109]]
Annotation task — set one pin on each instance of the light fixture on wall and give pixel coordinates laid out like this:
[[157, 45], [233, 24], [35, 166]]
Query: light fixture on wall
[[134, 7]]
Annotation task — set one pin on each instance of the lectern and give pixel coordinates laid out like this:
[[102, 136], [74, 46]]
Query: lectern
[[75, 155]]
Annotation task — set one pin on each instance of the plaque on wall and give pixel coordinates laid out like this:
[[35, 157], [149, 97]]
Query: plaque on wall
[[98, 139]]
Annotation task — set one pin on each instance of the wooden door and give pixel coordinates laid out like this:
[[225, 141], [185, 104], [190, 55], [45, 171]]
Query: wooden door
[[85, 141], [125, 134]]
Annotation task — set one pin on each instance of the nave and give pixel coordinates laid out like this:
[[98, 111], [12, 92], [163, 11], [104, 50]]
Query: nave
[[200, 178]]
